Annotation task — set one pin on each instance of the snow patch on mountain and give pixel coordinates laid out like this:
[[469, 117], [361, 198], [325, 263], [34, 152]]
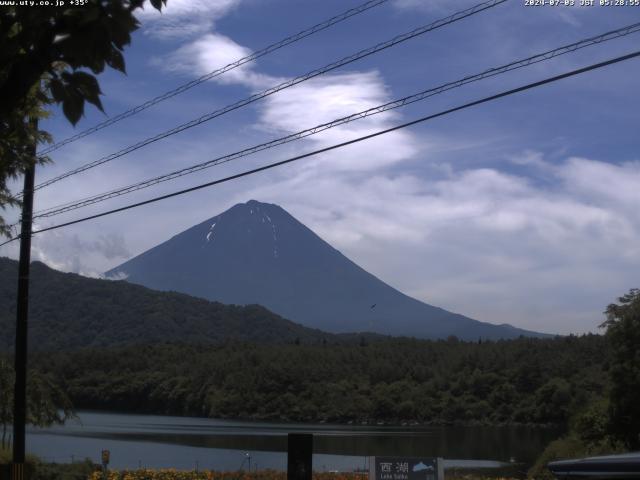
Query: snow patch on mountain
[[210, 233]]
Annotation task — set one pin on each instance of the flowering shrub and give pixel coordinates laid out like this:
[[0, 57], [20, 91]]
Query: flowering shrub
[[172, 474]]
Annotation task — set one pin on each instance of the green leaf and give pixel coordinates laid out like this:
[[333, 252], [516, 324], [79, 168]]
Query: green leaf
[[73, 111], [73, 107], [158, 4], [87, 87], [116, 60], [57, 90], [120, 25]]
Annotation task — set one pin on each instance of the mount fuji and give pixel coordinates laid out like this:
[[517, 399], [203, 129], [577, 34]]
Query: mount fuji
[[257, 253]]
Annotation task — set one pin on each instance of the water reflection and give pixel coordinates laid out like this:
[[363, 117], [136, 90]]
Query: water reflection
[[159, 441]]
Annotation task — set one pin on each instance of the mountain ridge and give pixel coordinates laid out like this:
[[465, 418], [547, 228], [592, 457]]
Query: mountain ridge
[[69, 311]]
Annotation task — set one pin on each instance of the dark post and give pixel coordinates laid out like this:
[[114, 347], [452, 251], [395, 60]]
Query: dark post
[[299, 456], [20, 392], [106, 455]]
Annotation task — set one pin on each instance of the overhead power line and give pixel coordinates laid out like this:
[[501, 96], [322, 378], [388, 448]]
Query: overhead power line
[[349, 142], [548, 55], [289, 83], [249, 58]]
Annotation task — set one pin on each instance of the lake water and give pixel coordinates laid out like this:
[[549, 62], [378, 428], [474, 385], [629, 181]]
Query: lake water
[[187, 443]]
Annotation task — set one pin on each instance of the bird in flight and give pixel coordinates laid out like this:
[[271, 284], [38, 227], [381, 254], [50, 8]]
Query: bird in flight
[[374, 305]]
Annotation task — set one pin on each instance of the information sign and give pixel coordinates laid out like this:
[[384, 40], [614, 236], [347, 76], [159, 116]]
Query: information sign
[[406, 468]]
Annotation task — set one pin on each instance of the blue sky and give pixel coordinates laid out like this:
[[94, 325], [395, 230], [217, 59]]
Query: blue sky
[[523, 210]]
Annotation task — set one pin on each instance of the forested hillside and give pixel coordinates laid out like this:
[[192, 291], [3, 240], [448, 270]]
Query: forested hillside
[[537, 381], [70, 311]]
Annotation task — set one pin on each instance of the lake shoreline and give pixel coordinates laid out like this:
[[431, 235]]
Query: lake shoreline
[[322, 422]]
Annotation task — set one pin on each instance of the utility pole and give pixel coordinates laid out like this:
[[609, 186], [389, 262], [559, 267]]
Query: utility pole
[[299, 456], [22, 315]]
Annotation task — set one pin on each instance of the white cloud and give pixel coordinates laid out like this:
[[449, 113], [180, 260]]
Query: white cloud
[[313, 102], [570, 15], [184, 18], [211, 52], [435, 6], [117, 276], [307, 104], [615, 185], [330, 97], [325, 98], [530, 158], [71, 253]]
